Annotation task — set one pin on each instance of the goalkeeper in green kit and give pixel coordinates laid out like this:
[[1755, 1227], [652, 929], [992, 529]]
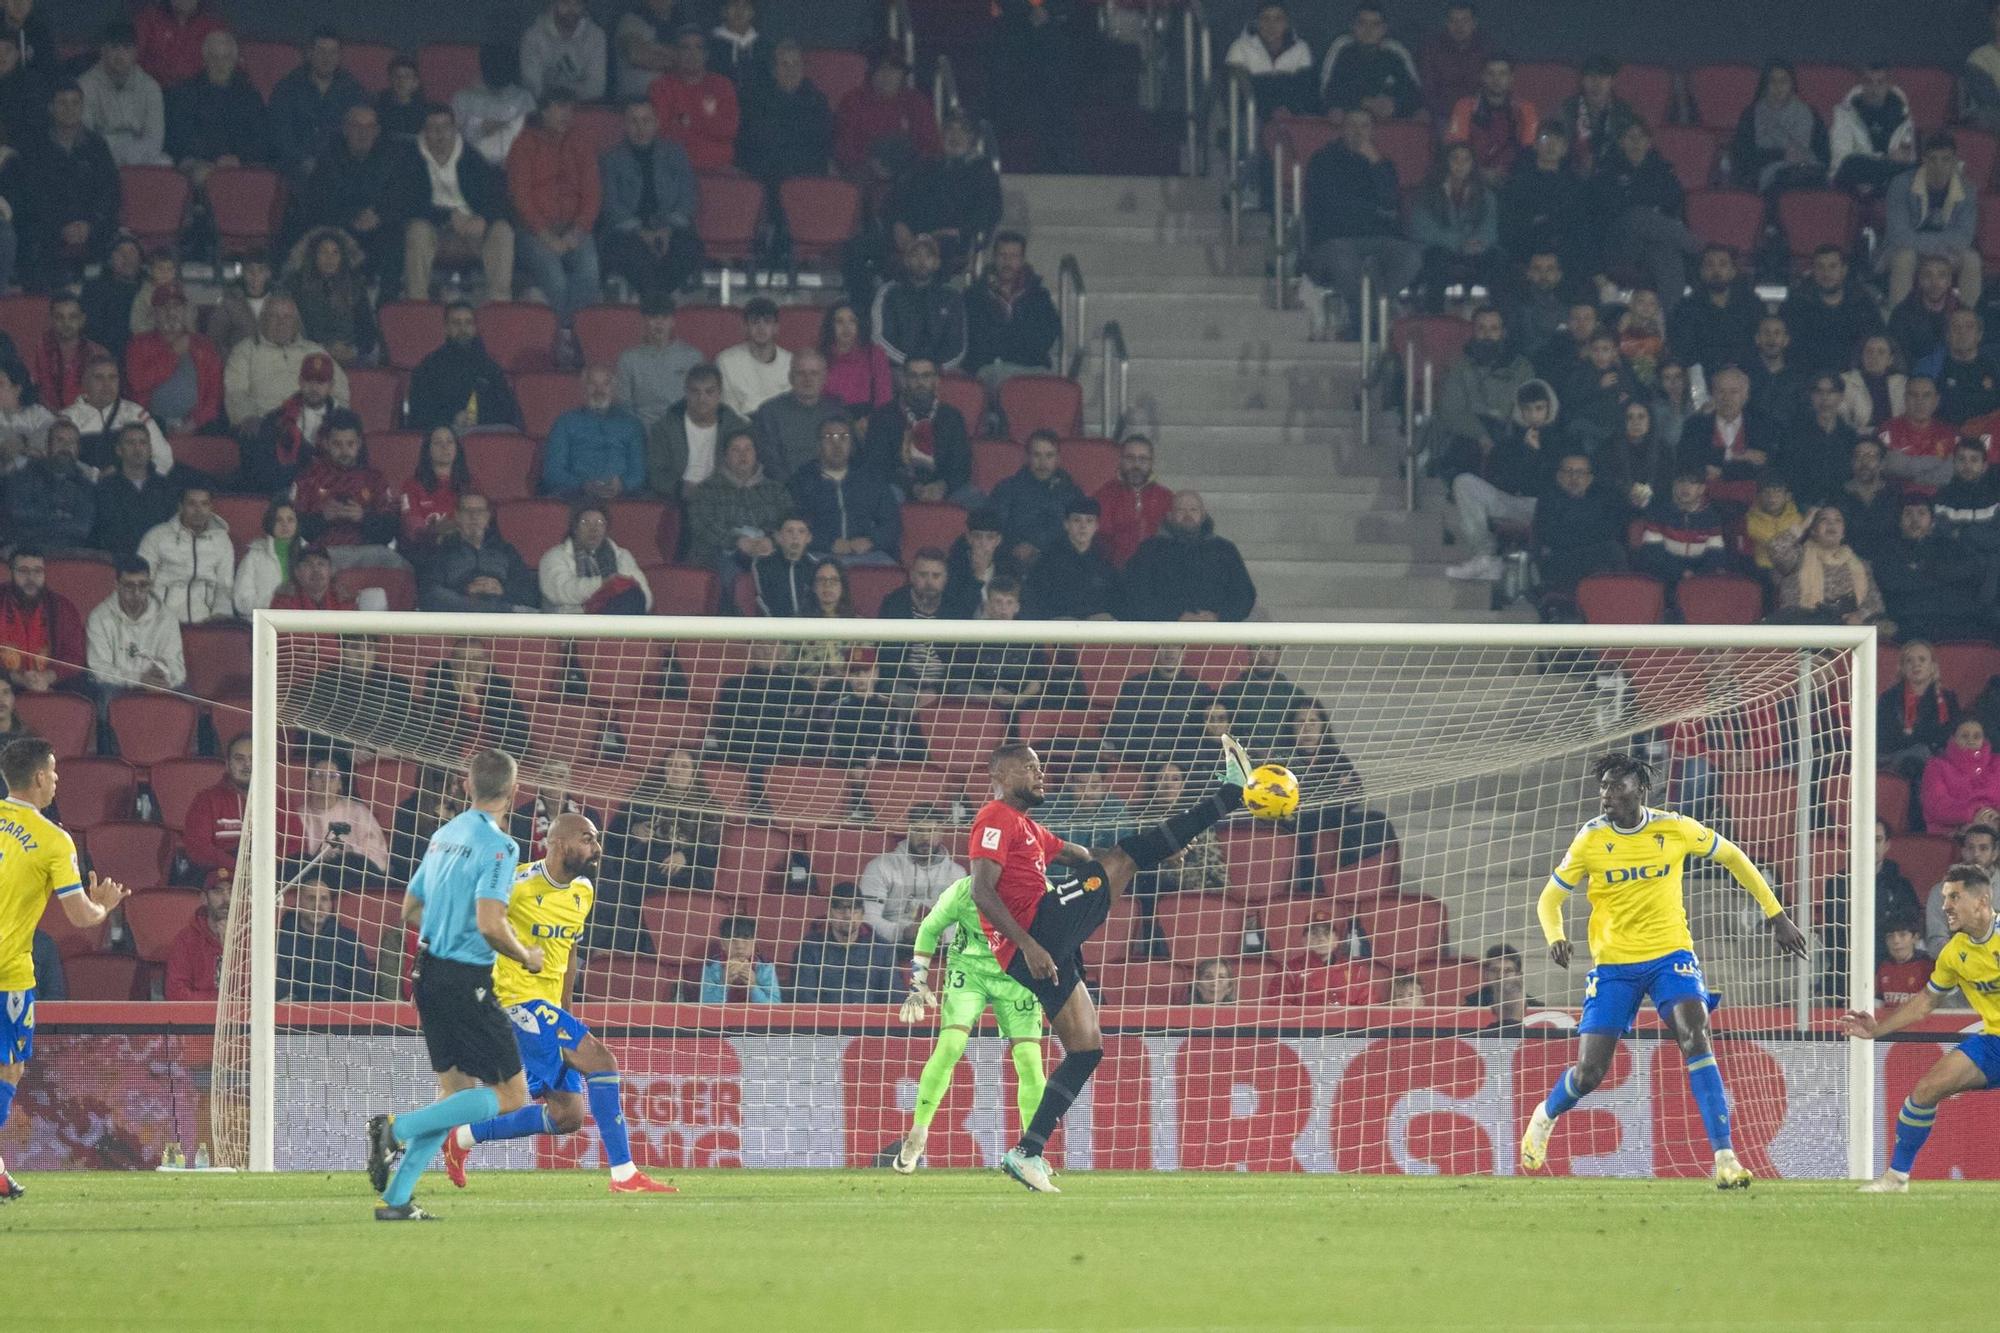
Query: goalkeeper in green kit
[[971, 980]]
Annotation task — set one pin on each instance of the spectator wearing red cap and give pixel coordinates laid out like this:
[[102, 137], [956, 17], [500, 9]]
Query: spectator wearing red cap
[[262, 372], [41, 634], [344, 504], [291, 434], [194, 959], [174, 371], [311, 586], [553, 182], [698, 109], [213, 833], [1131, 505], [170, 37], [884, 127]]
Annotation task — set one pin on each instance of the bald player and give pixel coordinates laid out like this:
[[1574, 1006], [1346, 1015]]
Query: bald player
[[567, 1066]]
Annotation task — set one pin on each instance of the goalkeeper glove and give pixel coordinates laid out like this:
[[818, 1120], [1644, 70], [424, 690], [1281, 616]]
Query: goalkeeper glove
[[921, 996]]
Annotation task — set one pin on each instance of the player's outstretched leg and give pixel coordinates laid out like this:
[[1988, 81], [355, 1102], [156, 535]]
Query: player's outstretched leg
[[932, 1085], [10, 1077], [1153, 846], [1955, 1071]]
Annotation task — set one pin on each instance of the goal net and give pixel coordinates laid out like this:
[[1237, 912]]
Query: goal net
[[1361, 988]]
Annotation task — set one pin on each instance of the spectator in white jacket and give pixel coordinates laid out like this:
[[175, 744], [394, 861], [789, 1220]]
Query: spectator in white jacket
[[134, 640], [1873, 139], [1278, 61], [564, 48], [123, 102], [266, 565], [99, 414], [587, 572], [193, 560], [900, 885]]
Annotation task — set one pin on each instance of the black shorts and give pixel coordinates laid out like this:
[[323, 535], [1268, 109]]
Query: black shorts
[[1068, 916], [463, 1024]]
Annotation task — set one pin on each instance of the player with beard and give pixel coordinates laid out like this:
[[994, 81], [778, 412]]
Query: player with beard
[[568, 1067]]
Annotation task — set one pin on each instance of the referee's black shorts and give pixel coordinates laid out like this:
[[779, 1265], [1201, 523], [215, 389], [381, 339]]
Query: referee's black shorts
[[463, 1024], [1069, 914]]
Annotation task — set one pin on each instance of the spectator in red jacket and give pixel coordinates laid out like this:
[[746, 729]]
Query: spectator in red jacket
[[1900, 976], [344, 504], [1449, 61], [1320, 976], [174, 372], [1917, 446], [41, 634], [553, 183], [214, 830], [885, 126], [1496, 123], [194, 959], [170, 35], [1962, 781], [60, 360], [311, 586], [697, 109], [1132, 505]]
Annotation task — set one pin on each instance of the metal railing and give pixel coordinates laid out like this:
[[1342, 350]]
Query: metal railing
[[1197, 82], [944, 88], [1414, 422], [903, 30], [1117, 382], [1070, 299], [1242, 145]]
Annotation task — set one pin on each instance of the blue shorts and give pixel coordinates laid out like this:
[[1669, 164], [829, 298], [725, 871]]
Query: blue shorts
[[1612, 992], [1984, 1051], [543, 1033], [17, 1026]]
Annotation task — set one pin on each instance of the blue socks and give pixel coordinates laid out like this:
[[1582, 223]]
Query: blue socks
[[530, 1119], [465, 1107], [1563, 1095], [417, 1153], [1705, 1080], [6, 1101], [1913, 1126], [608, 1110]]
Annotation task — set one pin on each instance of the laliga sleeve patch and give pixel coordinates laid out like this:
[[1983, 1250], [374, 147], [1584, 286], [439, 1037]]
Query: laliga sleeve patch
[[989, 839]]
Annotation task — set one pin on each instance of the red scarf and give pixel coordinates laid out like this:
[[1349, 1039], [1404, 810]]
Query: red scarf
[[1910, 700]]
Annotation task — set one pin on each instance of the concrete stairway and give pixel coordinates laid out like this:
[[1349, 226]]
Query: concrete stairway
[[1242, 407]]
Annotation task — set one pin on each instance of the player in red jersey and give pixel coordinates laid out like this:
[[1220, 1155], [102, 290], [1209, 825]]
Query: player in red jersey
[[1037, 919]]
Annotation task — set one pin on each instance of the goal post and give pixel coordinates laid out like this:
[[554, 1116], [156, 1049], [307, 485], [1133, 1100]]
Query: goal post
[[1316, 996]]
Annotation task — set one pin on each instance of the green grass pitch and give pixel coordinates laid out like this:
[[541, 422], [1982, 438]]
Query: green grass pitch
[[958, 1251]]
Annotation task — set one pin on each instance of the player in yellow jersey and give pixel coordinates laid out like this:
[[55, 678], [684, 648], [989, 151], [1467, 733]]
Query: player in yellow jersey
[[37, 858], [568, 1067], [1970, 962], [1630, 859]]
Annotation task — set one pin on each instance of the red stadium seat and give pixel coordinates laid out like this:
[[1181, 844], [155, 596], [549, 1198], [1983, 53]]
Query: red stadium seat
[[1977, 150], [684, 590], [892, 790], [71, 941], [85, 580], [1262, 862], [1720, 599], [152, 203], [621, 670], [1930, 91], [1987, 239], [604, 331], [1812, 218], [1407, 144], [411, 331], [102, 976], [806, 791], [649, 529], [1690, 150], [709, 328], [244, 515], [394, 453], [1822, 86], [993, 461], [368, 62], [956, 729], [66, 721], [1141, 983], [1347, 885], [504, 466], [382, 784], [534, 526], [1648, 88], [798, 326], [966, 394], [96, 791], [1041, 402], [377, 921], [635, 979], [1892, 801], [215, 456], [397, 586], [727, 217], [1197, 926], [1091, 462], [1721, 94], [823, 212], [247, 203], [267, 62], [155, 918], [545, 395], [134, 854], [376, 395], [447, 68], [1440, 339], [1964, 668], [601, 126], [835, 72], [1923, 859], [1403, 930], [152, 727], [175, 783], [230, 716], [1450, 980], [24, 317], [1734, 218], [867, 585], [837, 854], [1621, 599], [1545, 83], [752, 858], [218, 659], [519, 334], [1113, 943], [931, 523], [1763, 806]]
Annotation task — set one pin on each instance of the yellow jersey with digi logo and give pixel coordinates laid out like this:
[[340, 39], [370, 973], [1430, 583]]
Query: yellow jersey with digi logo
[[37, 858], [1637, 910], [1973, 967], [549, 916]]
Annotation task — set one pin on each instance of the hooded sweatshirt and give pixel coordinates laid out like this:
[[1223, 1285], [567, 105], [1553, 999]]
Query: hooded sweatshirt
[[898, 887], [1958, 784], [122, 647], [1865, 131], [194, 573]]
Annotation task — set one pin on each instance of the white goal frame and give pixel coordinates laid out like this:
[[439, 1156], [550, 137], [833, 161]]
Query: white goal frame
[[1862, 690]]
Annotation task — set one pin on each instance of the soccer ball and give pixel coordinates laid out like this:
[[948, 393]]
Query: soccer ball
[[1273, 792]]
